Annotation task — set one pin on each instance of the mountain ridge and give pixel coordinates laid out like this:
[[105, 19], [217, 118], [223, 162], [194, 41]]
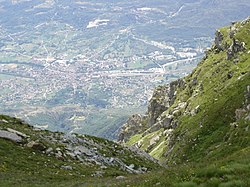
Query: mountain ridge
[[185, 108]]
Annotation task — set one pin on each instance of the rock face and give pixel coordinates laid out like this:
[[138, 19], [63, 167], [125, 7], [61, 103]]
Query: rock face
[[134, 125], [163, 97]]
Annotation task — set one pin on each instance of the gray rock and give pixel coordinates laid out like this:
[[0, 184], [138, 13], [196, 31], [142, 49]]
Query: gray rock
[[166, 122], [111, 159], [240, 113], [10, 136], [98, 174], [230, 75], [4, 121], [154, 140], [218, 40], [17, 132], [121, 177], [36, 145], [83, 150], [195, 110], [59, 155], [49, 150], [104, 167], [144, 169], [67, 167], [131, 166], [72, 155]]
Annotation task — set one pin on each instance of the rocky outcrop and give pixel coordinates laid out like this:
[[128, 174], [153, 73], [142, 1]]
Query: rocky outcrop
[[134, 125], [163, 97], [218, 41], [235, 47]]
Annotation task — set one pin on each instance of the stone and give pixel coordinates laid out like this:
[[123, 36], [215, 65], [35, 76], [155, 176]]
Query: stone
[[121, 177], [17, 132], [83, 150], [59, 155], [67, 167], [103, 167], [176, 113], [131, 166], [4, 121], [230, 75], [111, 159], [144, 169], [166, 122], [240, 113], [49, 150], [154, 140], [36, 145], [195, 110], [167, 132], [98, 174], [247, 117], [10, 136], [72, 155]]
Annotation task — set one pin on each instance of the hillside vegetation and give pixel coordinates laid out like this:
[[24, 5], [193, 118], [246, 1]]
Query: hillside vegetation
[[204, 118]]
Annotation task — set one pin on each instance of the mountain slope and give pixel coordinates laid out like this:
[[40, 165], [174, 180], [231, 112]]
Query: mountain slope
[[33, 157], [204, 116]]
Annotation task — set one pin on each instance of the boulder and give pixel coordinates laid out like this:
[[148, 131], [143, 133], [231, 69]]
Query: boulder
[[36, 145], [11, 136], [17, 132], [121, 177], [49, 150], [131, 166], [67, 167]]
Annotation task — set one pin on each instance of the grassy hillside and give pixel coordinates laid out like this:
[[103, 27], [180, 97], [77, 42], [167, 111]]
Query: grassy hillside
[[44, 158]]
